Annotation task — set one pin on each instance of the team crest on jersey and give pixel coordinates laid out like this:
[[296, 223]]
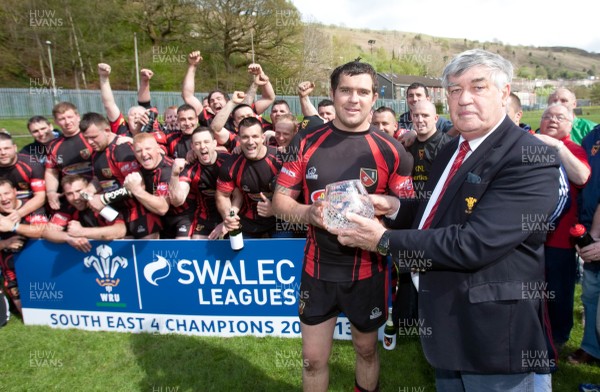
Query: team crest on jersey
[[304, 124], [23, 185], [368, 177], [199, 228], [421, 153], [85, 153], [595, 148], [106, 172]]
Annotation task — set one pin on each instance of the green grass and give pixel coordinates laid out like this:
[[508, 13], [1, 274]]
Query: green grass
[[43, 359]]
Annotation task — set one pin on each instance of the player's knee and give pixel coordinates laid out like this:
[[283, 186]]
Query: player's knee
[[366, 350]]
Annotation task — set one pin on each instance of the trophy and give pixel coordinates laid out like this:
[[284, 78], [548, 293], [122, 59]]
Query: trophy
[[342, 197]]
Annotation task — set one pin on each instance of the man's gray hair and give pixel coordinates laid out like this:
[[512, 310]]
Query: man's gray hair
[[501, 69]]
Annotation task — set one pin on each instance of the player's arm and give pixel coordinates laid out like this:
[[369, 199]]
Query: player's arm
[[106, 93], [8, 225], [187, 91], [56, 233], [37, 201], [284, 203], [157, 204], [304, 90], [178, 190], [51, 180], [261, 80], [218, 123], [144, 91], [103, 233], [577, 168]]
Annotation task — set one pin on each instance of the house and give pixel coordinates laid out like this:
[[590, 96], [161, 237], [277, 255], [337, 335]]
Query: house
[[393, 86]]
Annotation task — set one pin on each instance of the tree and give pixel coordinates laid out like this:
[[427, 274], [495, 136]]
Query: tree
[[595, 94]]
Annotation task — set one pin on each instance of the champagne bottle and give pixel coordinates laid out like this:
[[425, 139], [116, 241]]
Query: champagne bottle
[[581, 235], [389, 332], [236, 238]]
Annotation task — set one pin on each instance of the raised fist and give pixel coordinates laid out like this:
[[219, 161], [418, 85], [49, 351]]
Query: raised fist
[[194, 58]]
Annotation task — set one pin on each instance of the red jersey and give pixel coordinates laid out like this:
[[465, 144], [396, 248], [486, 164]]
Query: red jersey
[[328, 155]]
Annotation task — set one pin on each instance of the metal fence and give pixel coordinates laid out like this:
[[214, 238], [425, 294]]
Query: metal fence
[[24, 103]]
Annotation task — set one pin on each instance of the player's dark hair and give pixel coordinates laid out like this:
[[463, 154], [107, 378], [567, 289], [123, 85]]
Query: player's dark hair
[[249, 122], [203, 129], [92, 118], [325, 102], [383, 109], [37, 119], [71, 178], [353, 68], [217, 91], [416, 85], [185, 107]]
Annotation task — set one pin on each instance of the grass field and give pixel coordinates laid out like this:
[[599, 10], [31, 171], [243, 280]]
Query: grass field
[[45, 359]]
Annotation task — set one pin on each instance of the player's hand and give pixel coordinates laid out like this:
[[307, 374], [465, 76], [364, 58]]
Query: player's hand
[[315, 214], [6, 224], [231, 222], [74, 229], [14, 243], [103, 70], [255, 69], [305, 88], [95, 203], [261, 79], [408, 138], [146, 74], [53, 200], [194, 58], [385, 204], [264, 207], [365, 235], [589, 253], [124, 140], [133, 182], [82, 244], [238, 97], [218, 232], [177, 168]]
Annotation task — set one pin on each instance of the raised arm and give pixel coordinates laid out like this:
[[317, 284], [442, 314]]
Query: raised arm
[[178, 191], [187, 92], [261, 80], [144, 91], [218, 123], [304, 90], [108, 99]]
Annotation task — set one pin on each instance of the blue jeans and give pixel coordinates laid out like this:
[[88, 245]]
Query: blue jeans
[[561, 272], [590, 293], [454, 381]]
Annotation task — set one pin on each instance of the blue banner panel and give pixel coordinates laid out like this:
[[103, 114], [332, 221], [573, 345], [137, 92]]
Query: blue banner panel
[[168, 286]]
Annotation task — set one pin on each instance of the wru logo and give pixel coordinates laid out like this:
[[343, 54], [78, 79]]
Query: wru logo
[[105, 266]]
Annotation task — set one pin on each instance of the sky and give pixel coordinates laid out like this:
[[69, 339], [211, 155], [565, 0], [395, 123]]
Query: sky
[[571, 23]]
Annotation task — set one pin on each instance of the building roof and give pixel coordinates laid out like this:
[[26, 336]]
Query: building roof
[[406, 80]]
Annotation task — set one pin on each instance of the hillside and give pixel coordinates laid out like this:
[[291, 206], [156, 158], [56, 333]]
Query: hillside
[[433, 52]]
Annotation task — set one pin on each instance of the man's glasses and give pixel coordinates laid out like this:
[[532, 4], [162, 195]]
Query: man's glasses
[[559, 119]]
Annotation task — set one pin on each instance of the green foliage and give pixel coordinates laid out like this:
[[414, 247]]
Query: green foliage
[[595, 94]]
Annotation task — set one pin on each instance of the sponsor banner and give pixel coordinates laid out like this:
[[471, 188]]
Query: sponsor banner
[[197, 287]]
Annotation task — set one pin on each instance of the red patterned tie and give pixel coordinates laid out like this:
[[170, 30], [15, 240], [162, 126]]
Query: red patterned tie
[[464, 149]]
